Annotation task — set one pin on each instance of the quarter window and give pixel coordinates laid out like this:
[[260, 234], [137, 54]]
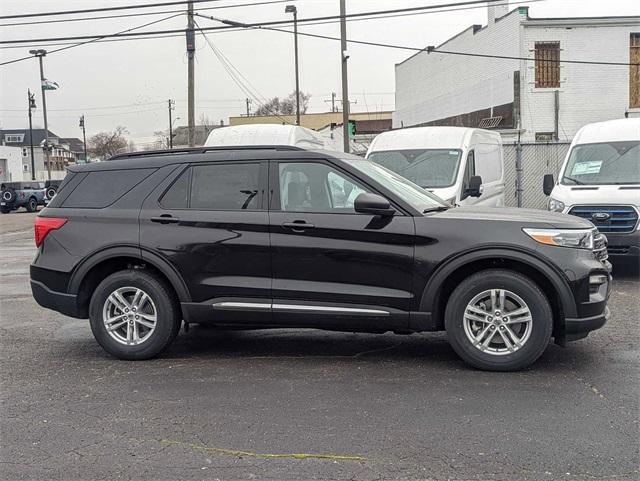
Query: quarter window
[[315, 187]]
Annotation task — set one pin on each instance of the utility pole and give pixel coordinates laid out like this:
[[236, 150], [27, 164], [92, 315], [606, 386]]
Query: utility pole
[[171, 104], [40, 53], [344, 56], [32, 105], [191, 49], [248, 102], [294, 10], [84, 137]]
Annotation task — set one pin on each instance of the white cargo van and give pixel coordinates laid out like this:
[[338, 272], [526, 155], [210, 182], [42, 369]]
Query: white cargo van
[[265, 134], [461, 165], [600, 181]]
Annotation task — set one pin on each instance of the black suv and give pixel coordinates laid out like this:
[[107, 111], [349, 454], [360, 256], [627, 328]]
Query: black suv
[[261, 237]]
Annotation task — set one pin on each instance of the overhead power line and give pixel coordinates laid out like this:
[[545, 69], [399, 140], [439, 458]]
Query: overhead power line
[[290, 22], [231, 24], [140, 14], [102, 9], [95, 39]]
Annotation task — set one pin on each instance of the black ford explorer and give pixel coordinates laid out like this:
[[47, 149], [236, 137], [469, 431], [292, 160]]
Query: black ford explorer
[[262, 237]]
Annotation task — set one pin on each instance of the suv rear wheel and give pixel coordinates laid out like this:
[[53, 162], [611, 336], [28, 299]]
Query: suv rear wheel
[[498, 320], [134, 315]]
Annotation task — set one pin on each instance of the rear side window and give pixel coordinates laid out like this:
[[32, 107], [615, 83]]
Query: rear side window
[[102, 188], [216, 187]]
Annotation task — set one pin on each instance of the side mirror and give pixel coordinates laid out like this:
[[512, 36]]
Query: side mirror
[[547, 184], [474, 188], [372, 204]]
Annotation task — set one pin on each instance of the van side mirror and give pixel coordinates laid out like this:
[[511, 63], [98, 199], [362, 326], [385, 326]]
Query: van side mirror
[[547, 184], [372, 204], [474, 189]]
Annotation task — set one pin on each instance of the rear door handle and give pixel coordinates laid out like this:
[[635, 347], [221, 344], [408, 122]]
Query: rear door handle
[[165, 219], [298, 225]]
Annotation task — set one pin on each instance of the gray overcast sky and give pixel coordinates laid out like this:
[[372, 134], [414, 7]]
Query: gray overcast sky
[[128, 82]]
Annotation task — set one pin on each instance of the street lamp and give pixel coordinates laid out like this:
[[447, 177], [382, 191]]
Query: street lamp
[[294, 10], [40, 53]]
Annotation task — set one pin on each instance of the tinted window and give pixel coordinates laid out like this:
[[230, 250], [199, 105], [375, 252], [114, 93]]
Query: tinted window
[[102, 188], [177, 197], [314, 187], [225, 186]]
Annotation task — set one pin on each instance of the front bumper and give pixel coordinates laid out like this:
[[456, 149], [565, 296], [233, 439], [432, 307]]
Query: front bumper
[[575, 329], [623, 246]]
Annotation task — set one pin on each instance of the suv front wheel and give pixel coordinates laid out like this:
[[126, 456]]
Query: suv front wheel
[[134, 315], [498, 320]]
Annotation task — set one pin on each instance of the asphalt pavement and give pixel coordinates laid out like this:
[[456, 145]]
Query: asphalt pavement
[[305, 404]]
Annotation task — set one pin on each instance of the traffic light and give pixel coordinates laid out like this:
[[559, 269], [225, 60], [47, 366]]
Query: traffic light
[[352, 128]]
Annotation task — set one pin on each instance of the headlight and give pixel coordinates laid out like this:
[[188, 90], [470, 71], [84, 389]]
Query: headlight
[[555, 205], [577, 238]]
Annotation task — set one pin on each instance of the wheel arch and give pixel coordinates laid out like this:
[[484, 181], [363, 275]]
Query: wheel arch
[[99, 265], [448, 275]]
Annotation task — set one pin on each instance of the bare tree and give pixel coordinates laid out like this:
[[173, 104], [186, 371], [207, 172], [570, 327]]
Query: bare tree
[[107, 144], [286, 106], [162, 140]]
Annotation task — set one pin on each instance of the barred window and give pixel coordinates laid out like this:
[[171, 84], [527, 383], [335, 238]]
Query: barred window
[[634, 71], [547, 58]]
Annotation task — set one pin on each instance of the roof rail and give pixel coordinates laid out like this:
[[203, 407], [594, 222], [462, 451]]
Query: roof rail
[[202, 150]]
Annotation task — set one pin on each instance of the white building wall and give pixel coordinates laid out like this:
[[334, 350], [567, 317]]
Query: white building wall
[[435, 86], [587, 93], [11, 166]]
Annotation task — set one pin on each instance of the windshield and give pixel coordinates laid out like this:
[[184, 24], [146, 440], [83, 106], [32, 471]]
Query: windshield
[[403, 188], [429, 168], [604, 163]]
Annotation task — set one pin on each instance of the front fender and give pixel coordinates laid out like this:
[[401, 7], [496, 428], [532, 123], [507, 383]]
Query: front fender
[[432, 291]]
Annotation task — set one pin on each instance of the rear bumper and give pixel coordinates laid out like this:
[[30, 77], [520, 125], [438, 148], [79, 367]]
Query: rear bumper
[[58, 301]]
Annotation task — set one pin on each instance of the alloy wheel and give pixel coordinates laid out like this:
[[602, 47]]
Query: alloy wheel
[[129, 316], [497, 322]]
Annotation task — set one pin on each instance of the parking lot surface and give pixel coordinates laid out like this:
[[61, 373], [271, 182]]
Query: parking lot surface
[[305, 404]]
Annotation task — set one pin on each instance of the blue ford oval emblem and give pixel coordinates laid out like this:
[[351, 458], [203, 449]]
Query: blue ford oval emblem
[[600, 216]]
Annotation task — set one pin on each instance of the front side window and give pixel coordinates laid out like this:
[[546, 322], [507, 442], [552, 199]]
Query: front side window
[[615, 163], [470, 169], [429, 168], [316, 187]]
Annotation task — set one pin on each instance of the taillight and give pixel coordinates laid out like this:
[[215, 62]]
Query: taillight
[[44, 225]]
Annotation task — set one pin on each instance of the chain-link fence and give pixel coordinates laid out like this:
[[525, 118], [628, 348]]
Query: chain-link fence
[[538, 159]]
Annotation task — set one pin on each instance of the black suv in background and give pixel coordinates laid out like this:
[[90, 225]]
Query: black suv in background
[[262, 237]]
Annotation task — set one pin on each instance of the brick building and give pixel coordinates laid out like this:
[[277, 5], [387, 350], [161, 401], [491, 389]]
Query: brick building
[[542, 99]]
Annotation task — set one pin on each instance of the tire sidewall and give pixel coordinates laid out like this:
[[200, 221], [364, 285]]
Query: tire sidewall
[[542, 320], [167, 323], [32, 204]]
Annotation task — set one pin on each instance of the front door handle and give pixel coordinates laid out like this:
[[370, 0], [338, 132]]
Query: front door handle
[[298, 225], [165, 219]]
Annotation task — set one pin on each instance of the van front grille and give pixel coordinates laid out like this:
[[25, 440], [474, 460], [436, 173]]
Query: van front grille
[[611, 219]]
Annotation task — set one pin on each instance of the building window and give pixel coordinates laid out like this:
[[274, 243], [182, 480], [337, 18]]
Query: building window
[[25, 152], [545, 136], [13, 138], [634, 71], [25, 167], [547, 58]]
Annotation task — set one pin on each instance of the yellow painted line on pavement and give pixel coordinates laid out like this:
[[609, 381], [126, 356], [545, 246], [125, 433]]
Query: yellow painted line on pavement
[[248, 454]]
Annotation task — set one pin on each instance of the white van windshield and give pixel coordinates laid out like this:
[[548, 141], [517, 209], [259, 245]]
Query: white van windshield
[[403, 188], [604, 163], [429, 168]]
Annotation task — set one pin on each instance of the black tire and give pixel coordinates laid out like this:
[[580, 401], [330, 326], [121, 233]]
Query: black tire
[[528, 291], [51, 191], [5, 210], [9, 195], [32, 205], [168, 314]]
